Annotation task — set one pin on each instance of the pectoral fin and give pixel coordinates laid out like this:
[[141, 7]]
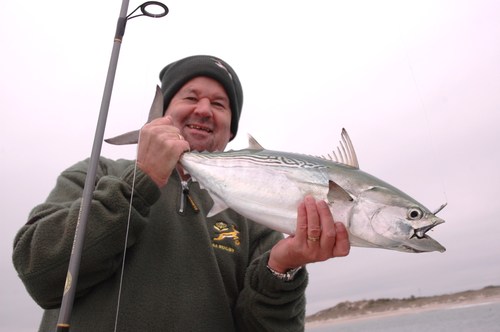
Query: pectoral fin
[[337, 193]]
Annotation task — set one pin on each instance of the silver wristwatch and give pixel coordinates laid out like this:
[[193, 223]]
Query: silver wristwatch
[[287, 276]]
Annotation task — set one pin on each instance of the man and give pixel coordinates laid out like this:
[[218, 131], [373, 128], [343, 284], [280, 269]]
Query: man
[[182, 271]]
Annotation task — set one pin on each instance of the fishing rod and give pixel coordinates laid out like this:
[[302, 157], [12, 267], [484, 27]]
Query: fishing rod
[[63, 323]]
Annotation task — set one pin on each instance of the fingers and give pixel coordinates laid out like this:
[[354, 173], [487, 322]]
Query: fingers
[[162, 127], [325, 236], [160, 147], [328, 232], [313, 221], [342, 245], [317, 238], [301, 231]]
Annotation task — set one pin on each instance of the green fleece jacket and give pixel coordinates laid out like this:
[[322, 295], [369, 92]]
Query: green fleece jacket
[[183, 271]]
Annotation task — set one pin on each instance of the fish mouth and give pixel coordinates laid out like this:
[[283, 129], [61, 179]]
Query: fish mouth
[[419, 233], [199, 127]]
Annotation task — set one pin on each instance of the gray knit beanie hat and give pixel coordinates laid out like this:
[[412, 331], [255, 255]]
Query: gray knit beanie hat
[[178, 73]]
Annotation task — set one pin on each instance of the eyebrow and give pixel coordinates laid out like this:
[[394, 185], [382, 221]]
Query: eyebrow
[[216, 96]]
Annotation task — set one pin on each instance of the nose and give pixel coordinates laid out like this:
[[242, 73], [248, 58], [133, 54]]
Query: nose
[[203, 107]]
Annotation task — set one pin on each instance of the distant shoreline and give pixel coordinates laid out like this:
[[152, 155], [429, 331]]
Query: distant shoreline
[[366, 309]]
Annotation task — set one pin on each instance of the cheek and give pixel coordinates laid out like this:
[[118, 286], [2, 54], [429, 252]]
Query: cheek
[[178, 116], [227, 136], [224, 121], [224, 128]]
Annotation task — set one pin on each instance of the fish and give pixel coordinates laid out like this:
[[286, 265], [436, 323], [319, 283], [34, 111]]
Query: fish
[[267, 186]]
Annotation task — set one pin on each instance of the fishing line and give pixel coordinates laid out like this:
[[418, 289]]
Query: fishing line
[[424, 109], [429, 131], [126, 241]]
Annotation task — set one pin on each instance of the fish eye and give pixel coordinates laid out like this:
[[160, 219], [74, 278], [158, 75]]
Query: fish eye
[[414, 213]]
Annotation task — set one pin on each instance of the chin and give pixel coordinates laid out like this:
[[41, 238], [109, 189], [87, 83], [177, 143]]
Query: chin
[[200, 146], [206, 143]]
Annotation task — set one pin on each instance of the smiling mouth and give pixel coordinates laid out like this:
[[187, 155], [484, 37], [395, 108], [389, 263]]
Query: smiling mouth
[[196, 127]]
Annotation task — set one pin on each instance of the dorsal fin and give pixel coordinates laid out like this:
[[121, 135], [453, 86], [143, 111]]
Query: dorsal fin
[[345, 151], [253, 144], [132, 137]]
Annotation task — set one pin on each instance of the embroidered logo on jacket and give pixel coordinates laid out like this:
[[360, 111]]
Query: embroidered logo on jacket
[[224, 232]]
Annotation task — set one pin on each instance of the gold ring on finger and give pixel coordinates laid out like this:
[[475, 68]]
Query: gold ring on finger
[[313, 238]]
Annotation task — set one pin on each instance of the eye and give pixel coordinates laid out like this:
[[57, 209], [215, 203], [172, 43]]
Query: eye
[[219, 104], [414, 213]]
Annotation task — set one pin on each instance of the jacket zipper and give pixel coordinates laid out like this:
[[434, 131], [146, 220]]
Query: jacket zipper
[[185, 196]]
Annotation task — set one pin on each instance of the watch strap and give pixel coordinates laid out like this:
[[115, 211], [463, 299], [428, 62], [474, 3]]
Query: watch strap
[[287, 276]]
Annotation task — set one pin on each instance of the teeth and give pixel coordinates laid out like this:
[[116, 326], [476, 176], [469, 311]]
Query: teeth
[[199, 128]]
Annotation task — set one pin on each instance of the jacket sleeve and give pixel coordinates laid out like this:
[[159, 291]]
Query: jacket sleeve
[[269, 304], [42, 247]]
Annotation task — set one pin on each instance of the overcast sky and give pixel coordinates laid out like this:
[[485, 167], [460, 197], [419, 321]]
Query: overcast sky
[[415, 83]]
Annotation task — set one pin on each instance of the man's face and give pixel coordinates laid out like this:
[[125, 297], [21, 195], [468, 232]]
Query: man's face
[[201, 111]]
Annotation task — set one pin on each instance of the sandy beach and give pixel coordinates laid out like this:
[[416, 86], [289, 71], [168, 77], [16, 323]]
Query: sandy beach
[[363, 310]]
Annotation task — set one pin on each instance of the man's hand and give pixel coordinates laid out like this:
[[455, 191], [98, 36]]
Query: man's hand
[[317, 238], [160, 147]]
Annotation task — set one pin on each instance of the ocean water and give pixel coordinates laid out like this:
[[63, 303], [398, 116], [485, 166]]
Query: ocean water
[[483, 317]]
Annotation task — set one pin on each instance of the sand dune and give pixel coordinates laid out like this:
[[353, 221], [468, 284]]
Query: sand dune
[[382, 307]]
